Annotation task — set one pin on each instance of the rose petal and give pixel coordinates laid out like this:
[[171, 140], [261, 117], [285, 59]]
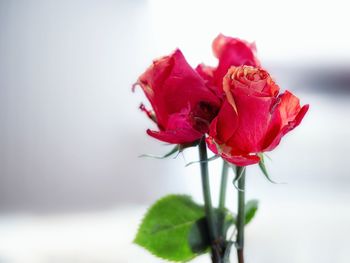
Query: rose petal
[[170, 84], [224, 152], [179, 129], [232, 52], [253, 81], [206, 72], [242, 160], [225, 124], [253, 121], [285, 117]]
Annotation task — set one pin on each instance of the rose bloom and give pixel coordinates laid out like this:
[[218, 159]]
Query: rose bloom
[[253, 117], [230, 52], [183, 105]]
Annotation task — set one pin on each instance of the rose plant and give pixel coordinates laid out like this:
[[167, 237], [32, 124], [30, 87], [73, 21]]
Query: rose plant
[[237, 111]]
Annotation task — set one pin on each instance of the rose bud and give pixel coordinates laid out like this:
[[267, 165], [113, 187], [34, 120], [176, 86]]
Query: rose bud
[[230, 52], [253, 117], [183, 105]]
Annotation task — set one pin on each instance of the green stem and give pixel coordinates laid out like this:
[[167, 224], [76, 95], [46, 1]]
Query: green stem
[[209, 212], [240, 214], [222, 200], [223, 185]]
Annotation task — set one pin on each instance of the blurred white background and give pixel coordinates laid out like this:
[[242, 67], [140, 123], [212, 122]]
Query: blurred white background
[[72, 188]]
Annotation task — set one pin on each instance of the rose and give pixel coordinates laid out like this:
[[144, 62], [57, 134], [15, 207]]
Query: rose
[[183, 105], [230, 52], [253, 117]]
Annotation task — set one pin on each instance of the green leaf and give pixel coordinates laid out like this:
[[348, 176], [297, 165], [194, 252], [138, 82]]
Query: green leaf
[[264, 170], [171, 229], [204, 161], [229, 221], [199, 236], [171, 152], [239, 171], [176, 149], [250, 209], [263, 167]]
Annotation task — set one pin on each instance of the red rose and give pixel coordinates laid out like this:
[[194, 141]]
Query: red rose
[[183, 106], [253, 117], [230, 52]]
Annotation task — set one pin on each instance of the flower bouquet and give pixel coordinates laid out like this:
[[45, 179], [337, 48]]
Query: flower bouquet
[[235, 110]]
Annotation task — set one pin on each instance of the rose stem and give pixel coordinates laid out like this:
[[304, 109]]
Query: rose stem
[[222, 197], [209, 212], [241, 213]]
